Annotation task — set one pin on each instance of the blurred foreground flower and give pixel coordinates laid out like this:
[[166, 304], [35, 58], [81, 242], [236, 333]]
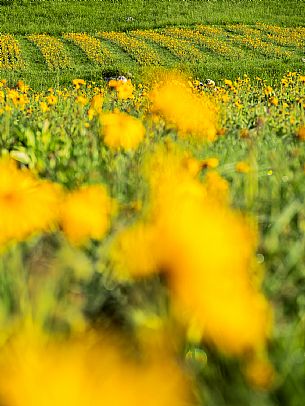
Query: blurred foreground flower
[[206, 251], [192, 114], [86, 213], [122, 131], [94, 370], [27, 205]]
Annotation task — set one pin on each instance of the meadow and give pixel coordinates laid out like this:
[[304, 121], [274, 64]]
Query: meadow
[[152, 203]]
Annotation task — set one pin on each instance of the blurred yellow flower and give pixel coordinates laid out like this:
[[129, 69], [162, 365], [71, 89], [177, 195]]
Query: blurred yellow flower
[[301, 133], [121, 130], [260, 373], [205, 248], [27, 205], [217, 187], [88, 371], [192, 114], [210, 163], [242, 167], [85, 213], [82, 100]]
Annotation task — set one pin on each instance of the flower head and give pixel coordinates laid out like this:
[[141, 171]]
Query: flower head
[[122, 131], [86, 213], [190, 113], [27, 205]]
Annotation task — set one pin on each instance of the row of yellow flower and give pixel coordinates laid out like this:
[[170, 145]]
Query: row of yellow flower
[[91, 46], [284, 36], [10, 53], [139, 50], [52, 50], [254, 39], [212, 43], [182, 49]]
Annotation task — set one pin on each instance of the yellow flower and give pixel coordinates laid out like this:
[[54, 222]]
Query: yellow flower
[[192, 165], [27, 205], [242, 167], [217, 187], [96, 106], [206, 250], [274, 101], [228, 82], [78, 82], [52, 100], [302, 79], [122, 131], [260, 373], [96, 103], [82, 100], [192, 114], [86, 213], [268, 90], [43, 106], [22, 86], [88, 371], [123, 88], [301, 133], [210, 163]]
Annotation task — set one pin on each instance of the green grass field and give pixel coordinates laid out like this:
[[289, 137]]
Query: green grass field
[[22, 19], [159, 219]]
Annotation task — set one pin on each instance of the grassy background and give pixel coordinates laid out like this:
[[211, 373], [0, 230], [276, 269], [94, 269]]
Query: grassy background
[[94, 15], [21, 17]]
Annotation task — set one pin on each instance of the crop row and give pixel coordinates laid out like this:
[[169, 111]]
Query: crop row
[[157, 47], [10, 53]]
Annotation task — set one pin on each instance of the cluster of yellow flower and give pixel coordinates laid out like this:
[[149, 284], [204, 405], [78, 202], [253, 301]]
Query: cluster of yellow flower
[[253, 39], [52, 50], [185, 224], [124, 88], [182, 49], [29, 206], [10, 53], [139, 50], [91, 46], [283, 36], [96, 369]]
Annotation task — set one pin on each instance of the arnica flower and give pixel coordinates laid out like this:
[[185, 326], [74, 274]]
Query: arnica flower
[[190, 113], [122, 131], [86, 213], [27, 205], [88, 371], [205, 249]]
